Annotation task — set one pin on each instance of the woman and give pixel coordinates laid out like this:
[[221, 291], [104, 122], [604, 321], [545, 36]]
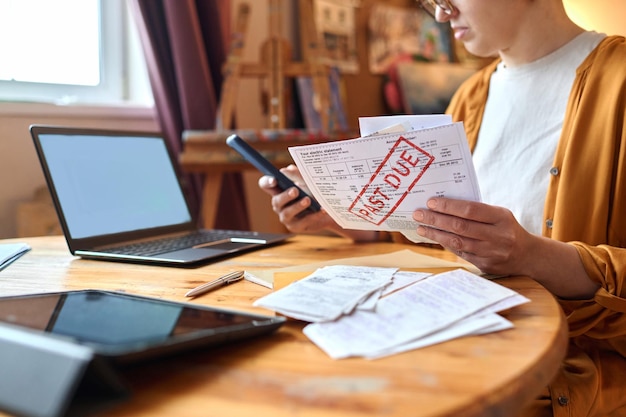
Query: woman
[[546, 125]]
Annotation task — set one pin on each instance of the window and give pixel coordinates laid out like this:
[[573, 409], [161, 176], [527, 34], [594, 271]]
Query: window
[[69, 51]]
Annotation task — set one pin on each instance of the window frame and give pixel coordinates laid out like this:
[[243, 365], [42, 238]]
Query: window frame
[[115, 69]]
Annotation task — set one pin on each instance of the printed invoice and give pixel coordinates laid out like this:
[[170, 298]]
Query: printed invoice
[[376, 182]]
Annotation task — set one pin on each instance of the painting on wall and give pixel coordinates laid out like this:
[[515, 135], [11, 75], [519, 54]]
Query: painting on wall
[[310, 106], [399, 34], [427, 87], [336, 27]]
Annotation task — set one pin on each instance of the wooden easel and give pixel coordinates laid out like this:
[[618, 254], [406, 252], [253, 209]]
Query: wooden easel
[[276, 67]]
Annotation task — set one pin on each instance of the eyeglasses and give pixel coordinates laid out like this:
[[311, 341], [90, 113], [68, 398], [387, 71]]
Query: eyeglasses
[[430, 6]]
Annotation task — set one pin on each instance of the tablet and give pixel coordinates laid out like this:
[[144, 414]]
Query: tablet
[[127, 328]]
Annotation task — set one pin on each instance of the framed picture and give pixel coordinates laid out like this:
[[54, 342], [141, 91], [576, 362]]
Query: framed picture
[[400, 33], [336, 26], [427, 87]]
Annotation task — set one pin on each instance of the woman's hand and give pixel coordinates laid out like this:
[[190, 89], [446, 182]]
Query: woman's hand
[[487, 236], [291, 213], [491, 238]]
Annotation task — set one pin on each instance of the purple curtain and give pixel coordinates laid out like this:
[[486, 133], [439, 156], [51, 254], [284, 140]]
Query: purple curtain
[[185, 46]]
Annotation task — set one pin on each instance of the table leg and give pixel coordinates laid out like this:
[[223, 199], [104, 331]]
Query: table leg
[[210, 199]]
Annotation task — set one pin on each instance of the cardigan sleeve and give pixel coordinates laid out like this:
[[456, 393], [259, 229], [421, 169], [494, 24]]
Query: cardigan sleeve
[[603, 316]]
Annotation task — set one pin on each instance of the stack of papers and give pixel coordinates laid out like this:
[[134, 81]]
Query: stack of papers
[[331, 292], [363, 316], [377, 181], [9, 252]]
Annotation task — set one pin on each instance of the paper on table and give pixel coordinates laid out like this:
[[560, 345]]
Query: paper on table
[[327, 293], [9, 252], [401, 279], [406, 259], [469, 326], [405, 316], [377, 182]]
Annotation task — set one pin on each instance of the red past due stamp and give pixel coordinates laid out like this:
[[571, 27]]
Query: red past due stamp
[[395, 177]]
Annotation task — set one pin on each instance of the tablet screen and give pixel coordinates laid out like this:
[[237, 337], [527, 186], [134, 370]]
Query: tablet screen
[[118, 324]]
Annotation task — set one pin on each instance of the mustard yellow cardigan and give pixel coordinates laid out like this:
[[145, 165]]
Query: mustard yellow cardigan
[[585, 206]]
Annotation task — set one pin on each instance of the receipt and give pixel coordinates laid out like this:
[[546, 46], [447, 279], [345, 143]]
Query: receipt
[[328, 293]]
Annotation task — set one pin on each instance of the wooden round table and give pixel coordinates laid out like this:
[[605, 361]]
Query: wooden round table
[[284, 374]]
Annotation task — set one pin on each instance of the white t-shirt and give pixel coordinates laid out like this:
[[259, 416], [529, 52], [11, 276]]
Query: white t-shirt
[[521, 128]]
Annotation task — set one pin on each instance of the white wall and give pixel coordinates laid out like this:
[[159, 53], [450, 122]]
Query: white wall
[[605, 16], [20, 172]]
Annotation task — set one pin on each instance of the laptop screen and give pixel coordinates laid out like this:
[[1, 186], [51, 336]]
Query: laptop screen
[[113, 184]]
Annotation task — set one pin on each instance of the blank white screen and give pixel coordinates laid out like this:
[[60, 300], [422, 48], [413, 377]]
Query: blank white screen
[[113, 184]]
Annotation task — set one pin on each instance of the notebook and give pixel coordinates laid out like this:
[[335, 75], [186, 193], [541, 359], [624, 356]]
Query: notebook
[[118, 197]]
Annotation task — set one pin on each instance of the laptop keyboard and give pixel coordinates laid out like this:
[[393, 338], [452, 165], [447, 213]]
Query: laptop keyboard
[[154, 247]]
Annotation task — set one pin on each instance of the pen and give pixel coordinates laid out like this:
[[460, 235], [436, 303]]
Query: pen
[[223, 280]]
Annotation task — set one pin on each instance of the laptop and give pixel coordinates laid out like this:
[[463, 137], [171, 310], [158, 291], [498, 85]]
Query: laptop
[[119, 198]]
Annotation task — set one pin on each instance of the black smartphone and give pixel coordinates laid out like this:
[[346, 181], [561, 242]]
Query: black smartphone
[[267, 168]]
